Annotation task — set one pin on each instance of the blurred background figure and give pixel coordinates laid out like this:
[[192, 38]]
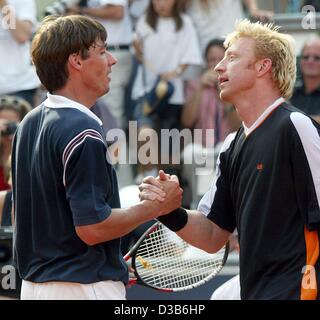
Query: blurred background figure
[[306, 95], [12, 111], [17, 75], [165, 44]]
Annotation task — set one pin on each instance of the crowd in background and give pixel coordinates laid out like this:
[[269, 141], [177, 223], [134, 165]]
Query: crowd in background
[[177, 41]]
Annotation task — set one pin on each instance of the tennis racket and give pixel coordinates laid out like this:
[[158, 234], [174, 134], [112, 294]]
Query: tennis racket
[[163, 261]]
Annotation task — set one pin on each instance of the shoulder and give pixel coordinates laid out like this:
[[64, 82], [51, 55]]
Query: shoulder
[[290, 114], [304, 125], [296, 120], [229, 140]]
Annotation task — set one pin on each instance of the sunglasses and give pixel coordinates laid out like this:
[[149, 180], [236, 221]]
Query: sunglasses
[[308, 57]]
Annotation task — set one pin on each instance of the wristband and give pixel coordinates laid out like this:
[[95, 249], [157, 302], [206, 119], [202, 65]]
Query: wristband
[[175, 220]]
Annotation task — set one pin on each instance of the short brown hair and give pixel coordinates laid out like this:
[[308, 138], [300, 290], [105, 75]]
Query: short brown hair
[[56, 39]]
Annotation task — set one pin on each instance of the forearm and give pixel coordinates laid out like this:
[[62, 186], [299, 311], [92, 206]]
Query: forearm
[[119, 223], [202, 233], [110, 12]]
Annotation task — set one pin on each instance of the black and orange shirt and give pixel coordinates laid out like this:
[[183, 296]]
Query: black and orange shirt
[[268, 187]]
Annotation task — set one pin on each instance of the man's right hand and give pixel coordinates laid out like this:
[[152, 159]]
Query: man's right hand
[[152, 188], [165, 189]]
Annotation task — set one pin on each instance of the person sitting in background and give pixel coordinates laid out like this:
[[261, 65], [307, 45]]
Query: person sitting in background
[[306, 95], [12, 111]]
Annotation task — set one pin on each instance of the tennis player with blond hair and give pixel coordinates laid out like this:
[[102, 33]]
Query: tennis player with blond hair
[[268, 176]]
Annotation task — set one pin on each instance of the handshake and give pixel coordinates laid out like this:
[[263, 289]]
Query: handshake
[[164, 195]]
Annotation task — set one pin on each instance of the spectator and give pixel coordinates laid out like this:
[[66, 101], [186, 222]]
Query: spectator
[[306, 95], [12, 111], [166, 44], [17, 76]]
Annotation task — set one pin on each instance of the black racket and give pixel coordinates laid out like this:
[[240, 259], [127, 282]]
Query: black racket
[[163, 261]]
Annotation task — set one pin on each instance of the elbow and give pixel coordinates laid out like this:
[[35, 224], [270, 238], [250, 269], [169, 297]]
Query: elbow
[[88, 236], [212, 249]]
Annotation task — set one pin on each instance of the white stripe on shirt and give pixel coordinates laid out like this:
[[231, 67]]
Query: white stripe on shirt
[[310, 140], [74, 143]]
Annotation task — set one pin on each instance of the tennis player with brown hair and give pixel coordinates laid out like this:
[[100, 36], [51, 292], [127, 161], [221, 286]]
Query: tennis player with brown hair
[[66, 203]]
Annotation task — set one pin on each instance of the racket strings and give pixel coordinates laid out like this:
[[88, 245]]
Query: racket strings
[[164, 260]]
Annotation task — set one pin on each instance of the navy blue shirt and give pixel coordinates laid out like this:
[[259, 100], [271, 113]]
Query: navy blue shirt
[[62, 179]]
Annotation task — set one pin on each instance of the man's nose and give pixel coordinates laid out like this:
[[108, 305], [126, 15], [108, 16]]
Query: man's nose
[[111, 59], [219, 67]]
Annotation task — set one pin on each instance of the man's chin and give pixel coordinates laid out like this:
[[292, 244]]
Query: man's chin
[[225, 97]]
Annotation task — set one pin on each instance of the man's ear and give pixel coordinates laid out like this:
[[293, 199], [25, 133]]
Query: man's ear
[[75, 61], [264, 66]]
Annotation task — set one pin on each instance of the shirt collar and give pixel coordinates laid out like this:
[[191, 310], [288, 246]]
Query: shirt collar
[[56, 102], [264, 115]]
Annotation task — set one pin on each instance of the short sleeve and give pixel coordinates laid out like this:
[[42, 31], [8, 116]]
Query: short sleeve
[[305, 157], [87, 179]]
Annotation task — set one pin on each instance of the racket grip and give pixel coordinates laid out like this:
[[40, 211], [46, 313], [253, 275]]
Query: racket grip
[[175, 220]]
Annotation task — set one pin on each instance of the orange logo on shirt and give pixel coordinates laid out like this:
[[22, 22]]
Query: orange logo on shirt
[[259, 166]]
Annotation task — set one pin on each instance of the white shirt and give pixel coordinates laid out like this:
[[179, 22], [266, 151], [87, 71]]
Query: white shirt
[[119, 31], [216, 21], [164, 50], [16, 70]]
